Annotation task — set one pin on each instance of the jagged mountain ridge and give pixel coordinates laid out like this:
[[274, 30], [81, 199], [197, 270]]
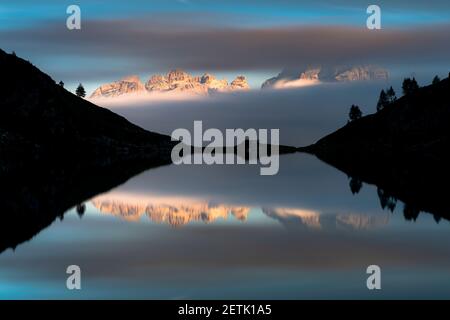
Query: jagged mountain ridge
[[173, 214], [327, 74], [307, 219], [180, 214], [175, 81]]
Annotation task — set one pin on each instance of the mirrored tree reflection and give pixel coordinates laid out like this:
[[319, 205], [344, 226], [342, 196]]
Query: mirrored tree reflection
[[386, 201], [418, 183], [81, 209], [355, 185], [410, 212]]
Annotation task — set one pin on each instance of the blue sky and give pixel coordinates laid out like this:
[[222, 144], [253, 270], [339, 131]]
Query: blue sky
[[133, 35], [16, 14]]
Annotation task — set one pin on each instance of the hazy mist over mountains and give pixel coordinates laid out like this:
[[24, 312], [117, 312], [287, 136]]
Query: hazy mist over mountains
[[293, 78], [303, 115]]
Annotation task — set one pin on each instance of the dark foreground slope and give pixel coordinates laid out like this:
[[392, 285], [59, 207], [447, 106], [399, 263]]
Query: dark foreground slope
[[58, 150], [41, 118], [34, 197], [403, 149], [414, 125]]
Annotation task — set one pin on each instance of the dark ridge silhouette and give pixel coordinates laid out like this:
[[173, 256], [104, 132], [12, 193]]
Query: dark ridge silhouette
[[42, 118], [34, 196], [249, 147], [404, 149]]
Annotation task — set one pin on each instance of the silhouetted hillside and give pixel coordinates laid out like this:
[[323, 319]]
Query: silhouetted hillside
[[414, 125], [39, 117], [58, 150], [403, 150], [33, 197]]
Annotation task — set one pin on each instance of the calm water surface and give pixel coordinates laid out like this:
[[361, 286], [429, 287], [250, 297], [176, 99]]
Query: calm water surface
[[227, 232]]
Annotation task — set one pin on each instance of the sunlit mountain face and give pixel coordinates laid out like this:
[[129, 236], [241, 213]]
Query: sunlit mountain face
[[312, 220], [173, 211], [178, 212]]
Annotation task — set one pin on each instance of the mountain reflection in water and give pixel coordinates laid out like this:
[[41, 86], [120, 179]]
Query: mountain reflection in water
[[169, 211], [178, 212], [305, 194], [221, 232]]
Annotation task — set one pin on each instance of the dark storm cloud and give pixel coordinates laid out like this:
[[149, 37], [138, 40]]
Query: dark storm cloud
[[201, 48]]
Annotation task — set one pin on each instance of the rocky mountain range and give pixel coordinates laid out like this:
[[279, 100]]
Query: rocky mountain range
[[311, 75], [179, 81], [175, 81], [180, 214], [175, 215], [306, 219]]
